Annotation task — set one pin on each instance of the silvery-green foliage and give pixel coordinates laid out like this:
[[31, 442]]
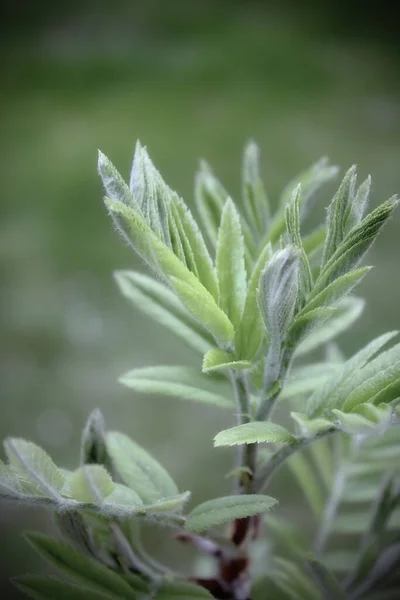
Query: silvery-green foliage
[[254, 292]]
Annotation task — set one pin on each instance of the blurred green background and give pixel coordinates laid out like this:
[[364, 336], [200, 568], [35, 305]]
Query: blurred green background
[[190, 79]]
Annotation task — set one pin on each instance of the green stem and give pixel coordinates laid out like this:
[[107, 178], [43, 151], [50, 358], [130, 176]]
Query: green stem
[[246, 453], [126, 550], [266, 472], [273, 384]]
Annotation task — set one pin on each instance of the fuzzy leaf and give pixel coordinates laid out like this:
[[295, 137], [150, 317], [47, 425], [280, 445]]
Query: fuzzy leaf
[[91, 483], [256, 432], [114, 185], [314, 242], [37, 473], [188, 288], [170, 504], [203, 265], [277, 294], [310, 180], [255, 201], [307, 322], [133, 228], [216, 360], [177, 382], [249, 334], [310, 427], [49, 588], [151, 193], [365, 421], [347, 311], [93, 446], [305, 379], [308, 482], [221, 510], [80, 567], [204, 309], [359, 204], [337, 213], [161, 304], [293, 229], [329, 394], [9, 484], [230, 264], [336, 290], [210, 197], [367, 389], [138, 470], [354, 246], [123, 496]]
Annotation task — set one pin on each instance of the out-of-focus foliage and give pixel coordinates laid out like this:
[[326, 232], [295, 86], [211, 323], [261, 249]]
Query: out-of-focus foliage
[[199, 83]]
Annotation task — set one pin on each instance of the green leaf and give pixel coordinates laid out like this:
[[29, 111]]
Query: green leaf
[[307, 322], [314, 242], [181, 590], [255, 201], [123, 497], [230, 264], [158, 302], [221, 510], [91, 483], [115, 186], [177, 382], [307, 378], [330, 393], [249, 334], [357, 242], [49, 588], [138, 470], [310, 180], [93, 446], [347, 311], [37, 473], [203, 307], [277, 296], [371, 386], [337, 213], [311, 427], [359, 204], [151, 193], [335, 291], [9, 484], [293, 229], [134, 229], [80, 567], [256, 432], [308, 482], [367, 419], [188, 288], [216, 360], [210, 197], [170, 504], [326, 581], [203, 265]]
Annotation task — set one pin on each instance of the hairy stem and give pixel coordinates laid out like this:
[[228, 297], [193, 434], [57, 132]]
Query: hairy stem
[[273, 379], [268, 470], [126, 550], [246, 454]]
